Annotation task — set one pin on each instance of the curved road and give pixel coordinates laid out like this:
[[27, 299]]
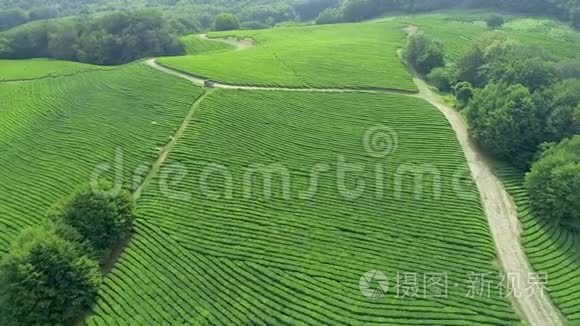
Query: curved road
[[535, 308]]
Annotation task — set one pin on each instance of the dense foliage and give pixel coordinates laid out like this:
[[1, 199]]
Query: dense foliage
[[310, 9], [197, 13], [522, 100], [329, 16], [226, 22], [103, 219], [506, 122], [495, 21], [423, 53], [554, 183], [109, 39], [46, 279]]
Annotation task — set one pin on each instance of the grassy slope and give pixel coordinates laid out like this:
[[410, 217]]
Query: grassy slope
[[195, 45], [348, 55], [55, 132], [256, 260], [39, 68], [458, 31], [550, 248]]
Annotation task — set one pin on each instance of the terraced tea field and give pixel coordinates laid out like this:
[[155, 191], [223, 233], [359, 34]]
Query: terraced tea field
[[297, 257], [549, 248], [194, 45], [458, 31], [41, 68], [348, 55], [54, 132]]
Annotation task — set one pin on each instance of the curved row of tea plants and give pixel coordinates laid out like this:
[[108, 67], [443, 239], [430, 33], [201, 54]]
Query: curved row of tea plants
[[55, 132], [204, 255], [194, 45], [348, 56], [42, 68], [549, 247]]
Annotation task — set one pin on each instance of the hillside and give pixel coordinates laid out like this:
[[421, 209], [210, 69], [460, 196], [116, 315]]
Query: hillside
[[319, 180], [355, 56]]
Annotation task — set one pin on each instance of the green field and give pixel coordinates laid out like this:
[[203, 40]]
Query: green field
[[42, 68], [458, 31], [54, 132], [195, 45], [549, 247], [347, 55], [297, 260], [201, 254]]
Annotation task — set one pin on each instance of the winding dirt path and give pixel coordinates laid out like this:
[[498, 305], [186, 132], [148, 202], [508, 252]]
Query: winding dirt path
[[535, 308], [199, 81], [165, 150]]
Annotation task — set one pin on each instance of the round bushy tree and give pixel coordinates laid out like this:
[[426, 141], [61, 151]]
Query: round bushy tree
[[506, 122], [463, 91], [226, 22], [102, 218], [439, 77], [495, 21], [46, 279], [554, 183], [424, 54]]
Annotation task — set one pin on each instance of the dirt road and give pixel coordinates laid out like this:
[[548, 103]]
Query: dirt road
[[199, 81], [535, 308]]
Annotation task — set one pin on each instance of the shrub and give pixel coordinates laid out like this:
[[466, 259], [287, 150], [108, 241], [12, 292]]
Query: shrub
[[46, 279], [495, 21], [226, 22], [329, 16], [554, 183], [439, 77], [102, 219], [424, 54]]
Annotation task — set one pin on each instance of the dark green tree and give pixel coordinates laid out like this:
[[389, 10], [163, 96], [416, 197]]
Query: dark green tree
[[506, 122], [554, 183], [226, 22], [103, 218], [463, 91], [46, 279], [495, 21], [439, 77], [423, 53]]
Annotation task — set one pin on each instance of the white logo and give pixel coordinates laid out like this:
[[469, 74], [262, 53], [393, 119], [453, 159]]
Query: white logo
[[374, 284]]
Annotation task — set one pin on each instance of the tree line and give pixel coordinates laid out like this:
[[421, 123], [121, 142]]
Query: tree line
[[358, 10], [522, 106], [110, 39], [52, 273]]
